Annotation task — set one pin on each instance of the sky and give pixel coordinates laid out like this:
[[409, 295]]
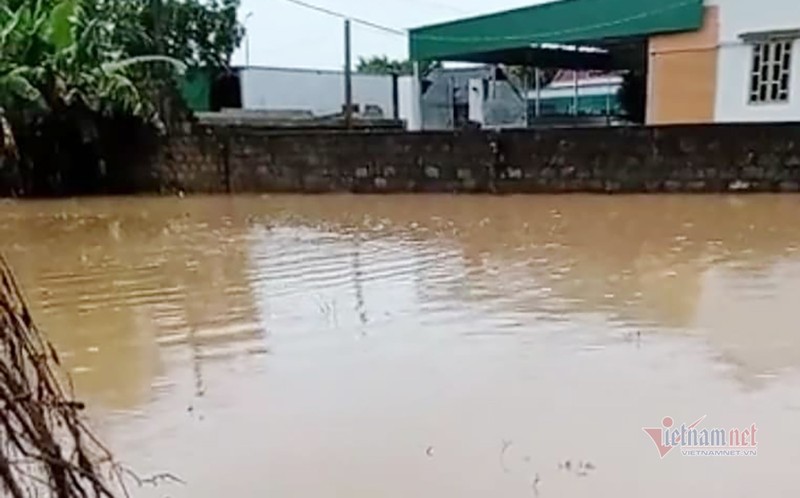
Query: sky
[[282, 34]]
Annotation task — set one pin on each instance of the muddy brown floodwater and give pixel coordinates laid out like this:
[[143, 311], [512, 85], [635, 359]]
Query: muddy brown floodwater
[[426, 346]]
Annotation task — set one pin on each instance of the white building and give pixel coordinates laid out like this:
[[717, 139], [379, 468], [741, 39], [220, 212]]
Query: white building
[[742, 65], [318, 92], [704, 60], [321, 93], [758, 63]]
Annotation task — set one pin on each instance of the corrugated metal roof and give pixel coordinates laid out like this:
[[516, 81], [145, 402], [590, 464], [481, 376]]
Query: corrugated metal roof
[[560, 22]]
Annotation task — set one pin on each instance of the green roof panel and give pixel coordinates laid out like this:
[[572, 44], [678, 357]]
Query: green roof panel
[[559, 22]]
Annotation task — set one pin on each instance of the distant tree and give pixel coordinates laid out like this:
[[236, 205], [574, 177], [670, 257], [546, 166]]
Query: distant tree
[[384, 65], [68, 68], [196, 32]]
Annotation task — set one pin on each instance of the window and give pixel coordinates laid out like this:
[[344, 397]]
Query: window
[[769, 79]]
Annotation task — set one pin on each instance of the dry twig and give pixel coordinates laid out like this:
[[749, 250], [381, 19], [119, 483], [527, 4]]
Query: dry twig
[[46, 449]]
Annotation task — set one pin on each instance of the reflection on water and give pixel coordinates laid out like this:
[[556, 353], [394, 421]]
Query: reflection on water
[[423, 346]]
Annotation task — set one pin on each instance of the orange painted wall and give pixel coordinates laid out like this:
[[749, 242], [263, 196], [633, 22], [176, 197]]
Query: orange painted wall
[[682, 76]]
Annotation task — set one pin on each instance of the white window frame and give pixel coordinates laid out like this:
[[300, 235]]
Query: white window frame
[[770, 77]]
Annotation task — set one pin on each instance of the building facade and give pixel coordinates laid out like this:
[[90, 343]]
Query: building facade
[[742, 65], [318, 92], [686, 61]]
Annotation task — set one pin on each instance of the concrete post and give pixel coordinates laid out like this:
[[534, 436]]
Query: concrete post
[[416, 86], [348, 77]]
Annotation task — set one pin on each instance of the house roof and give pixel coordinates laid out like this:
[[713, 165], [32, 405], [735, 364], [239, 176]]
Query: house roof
[[518, 35]]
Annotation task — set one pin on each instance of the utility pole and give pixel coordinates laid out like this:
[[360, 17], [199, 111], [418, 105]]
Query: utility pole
[[348, 77], [247, 40], [419, 123], [156, 11]]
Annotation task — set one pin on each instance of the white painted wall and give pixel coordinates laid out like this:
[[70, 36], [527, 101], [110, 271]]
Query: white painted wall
[[476, 99], [735, 58], [409, 108], [321, 92]]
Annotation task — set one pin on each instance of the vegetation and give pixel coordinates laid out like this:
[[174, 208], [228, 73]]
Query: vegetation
[[54, 57], [45, 448], [68, 66], [384, 65], [196, 32]]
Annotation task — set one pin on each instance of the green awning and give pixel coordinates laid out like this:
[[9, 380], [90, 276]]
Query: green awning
[[587, 22]]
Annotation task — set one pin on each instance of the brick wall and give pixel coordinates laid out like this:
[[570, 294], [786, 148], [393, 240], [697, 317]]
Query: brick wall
[[695, 158]]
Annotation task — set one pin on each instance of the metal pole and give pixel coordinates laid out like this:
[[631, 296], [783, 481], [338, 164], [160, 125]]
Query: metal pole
[[348, 77], [451, 101], [526, 89], [575, 96], [537, 75], [494, 81], [396, 96]]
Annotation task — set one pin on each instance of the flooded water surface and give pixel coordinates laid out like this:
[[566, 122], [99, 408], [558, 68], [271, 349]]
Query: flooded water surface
[[427, 346]]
